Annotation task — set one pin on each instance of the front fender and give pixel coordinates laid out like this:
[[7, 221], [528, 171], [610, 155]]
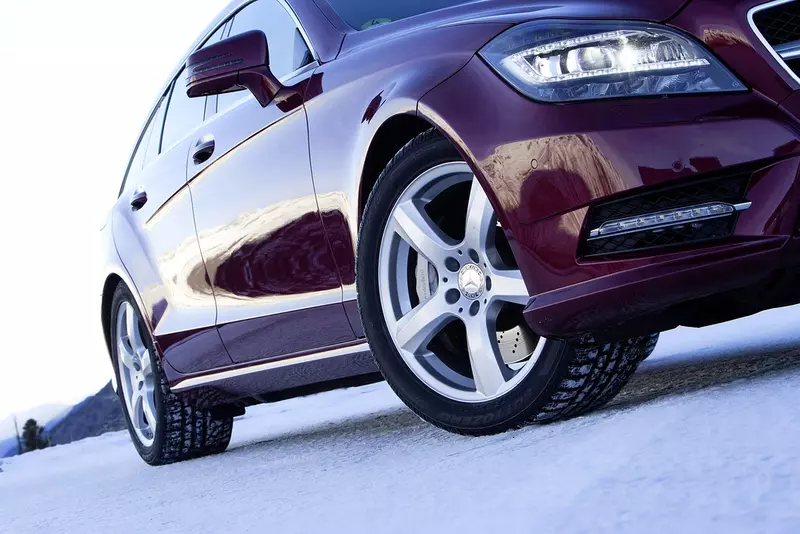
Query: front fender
[[350, 99]]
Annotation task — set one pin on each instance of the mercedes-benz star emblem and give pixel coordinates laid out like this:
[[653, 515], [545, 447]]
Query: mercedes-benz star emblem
[[471, 281]]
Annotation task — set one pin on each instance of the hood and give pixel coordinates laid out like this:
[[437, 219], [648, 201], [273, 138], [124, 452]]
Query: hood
[[517, 11]]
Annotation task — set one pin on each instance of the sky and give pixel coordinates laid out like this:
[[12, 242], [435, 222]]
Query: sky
[[78, 79]]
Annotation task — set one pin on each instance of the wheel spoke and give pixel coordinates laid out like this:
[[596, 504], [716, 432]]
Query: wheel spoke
[[130, 322], [137, 405], [421, 233], [508, 286], [487, 368], [133, 332], [136, 374], [146, 364], [480, 218], [417, 327], [148, 406], [125, 354]]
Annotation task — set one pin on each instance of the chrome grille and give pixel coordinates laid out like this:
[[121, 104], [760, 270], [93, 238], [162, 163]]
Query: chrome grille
[[777, 25]]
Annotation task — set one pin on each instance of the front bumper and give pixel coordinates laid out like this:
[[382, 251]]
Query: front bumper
[[546, 166]]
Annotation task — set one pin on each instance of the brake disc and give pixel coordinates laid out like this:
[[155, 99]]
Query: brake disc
[[516, 344]]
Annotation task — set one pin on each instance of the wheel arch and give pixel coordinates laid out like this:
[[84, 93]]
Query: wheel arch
[[110, 285], [116, 276], [388, 139]]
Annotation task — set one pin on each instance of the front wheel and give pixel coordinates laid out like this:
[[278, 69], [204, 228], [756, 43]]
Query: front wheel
[[441, 300], [164, 427]]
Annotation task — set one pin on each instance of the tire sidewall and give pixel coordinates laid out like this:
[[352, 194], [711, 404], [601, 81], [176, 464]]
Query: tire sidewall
[[148, 453], [512, 409]]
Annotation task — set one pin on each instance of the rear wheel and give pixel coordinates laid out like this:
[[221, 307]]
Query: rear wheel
[[164, 427], [441, 299]]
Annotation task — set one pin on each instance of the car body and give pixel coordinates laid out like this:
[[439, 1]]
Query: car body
[[242, 257]]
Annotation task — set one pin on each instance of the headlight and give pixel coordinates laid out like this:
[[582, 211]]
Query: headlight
[[563, 61]]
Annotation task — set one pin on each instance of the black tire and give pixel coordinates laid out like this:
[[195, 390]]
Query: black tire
[[186, 428], [567, 380]]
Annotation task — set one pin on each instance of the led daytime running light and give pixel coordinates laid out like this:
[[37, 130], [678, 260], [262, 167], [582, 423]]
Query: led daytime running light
[[520, 64], [663, 219], [579, 41]]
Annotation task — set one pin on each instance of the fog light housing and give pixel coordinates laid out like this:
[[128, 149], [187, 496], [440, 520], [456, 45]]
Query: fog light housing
[[667, 218]]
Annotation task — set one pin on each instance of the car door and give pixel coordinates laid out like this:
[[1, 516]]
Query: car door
[[276, 284], [153, 225]]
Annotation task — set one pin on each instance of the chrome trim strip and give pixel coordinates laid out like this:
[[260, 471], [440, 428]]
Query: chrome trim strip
[[761, 38], [595, 234], [299, 72], [301, 28], [349, 293], [268, 366], [788, 50]]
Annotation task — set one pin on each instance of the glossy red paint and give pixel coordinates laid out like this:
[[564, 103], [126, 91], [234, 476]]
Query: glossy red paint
[[724, 29], [266, 251], [157, 247], [247, 256], [586, 152], [547, 164], [392, 74], [276, 335]]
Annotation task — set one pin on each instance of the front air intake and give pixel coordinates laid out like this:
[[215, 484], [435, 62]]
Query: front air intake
[[676, 215]]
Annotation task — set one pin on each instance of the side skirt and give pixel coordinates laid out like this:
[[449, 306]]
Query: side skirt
[[233, 375]]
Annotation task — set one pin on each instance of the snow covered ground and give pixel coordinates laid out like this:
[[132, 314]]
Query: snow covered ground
[[705, 439]]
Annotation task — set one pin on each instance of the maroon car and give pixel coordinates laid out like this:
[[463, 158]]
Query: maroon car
[[499, 202]]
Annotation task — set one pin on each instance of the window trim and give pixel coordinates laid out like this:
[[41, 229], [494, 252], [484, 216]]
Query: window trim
[[205, 36], [247, 95], [292, 15], [148, 123], [163, 102], [313, 64], [300, 27]]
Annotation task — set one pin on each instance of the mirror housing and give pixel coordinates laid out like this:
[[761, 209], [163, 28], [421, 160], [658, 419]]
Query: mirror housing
[[241, 62]]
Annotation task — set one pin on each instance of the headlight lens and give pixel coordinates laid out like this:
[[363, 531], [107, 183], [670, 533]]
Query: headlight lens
[[563, 61]]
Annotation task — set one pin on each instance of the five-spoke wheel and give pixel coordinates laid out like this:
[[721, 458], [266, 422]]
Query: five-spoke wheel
[[165, 427], [442, 299], [462, 277], [137, 380]]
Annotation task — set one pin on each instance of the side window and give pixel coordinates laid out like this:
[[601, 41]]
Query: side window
[[184, 114], [137, 163], [287, 49], [271, 18], [216, 36], [154, 144], [140, 156]]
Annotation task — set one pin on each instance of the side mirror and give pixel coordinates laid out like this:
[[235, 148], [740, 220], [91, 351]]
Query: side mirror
[[241, 62]]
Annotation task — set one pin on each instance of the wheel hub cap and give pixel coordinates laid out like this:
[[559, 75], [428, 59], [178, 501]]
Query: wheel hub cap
[[471, 281]]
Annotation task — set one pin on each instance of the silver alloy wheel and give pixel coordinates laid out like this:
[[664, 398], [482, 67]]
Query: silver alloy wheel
[[137, 379], [469, 284]]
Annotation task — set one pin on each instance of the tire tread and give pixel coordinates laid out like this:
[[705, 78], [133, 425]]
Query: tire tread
[[189, 428]]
